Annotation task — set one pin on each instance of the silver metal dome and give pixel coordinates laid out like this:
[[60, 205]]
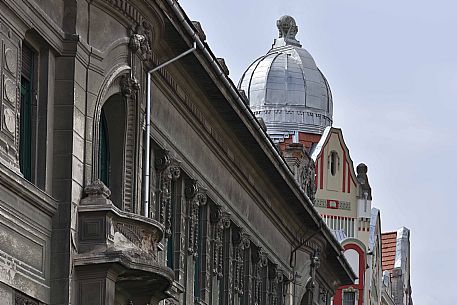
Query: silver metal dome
[[286, 89]]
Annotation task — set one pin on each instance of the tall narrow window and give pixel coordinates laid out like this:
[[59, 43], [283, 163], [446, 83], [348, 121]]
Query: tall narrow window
[[333, 162], [25, 136], [111, 146]]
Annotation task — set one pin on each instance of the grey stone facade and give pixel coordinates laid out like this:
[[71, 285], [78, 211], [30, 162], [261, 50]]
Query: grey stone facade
[[228, 224], [401, 274]]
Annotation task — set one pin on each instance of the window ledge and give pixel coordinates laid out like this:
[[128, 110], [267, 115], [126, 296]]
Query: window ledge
[[11, 178]]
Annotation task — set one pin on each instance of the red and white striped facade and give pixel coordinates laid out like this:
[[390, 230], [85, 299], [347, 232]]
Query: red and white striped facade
[[341, 203]]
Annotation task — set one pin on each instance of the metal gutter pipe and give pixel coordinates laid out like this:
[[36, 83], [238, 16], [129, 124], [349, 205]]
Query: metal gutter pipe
[[147, 157]]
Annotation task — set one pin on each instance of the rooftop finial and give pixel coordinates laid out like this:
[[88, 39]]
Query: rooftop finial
[[287, 31]]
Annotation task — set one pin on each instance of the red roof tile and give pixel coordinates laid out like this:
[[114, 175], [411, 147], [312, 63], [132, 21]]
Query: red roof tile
[[389, 244]]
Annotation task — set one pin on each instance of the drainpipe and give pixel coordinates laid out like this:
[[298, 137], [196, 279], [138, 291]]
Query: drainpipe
[[147, 157]]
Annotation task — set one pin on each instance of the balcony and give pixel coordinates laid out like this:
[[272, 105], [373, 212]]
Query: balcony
[[119, 248]]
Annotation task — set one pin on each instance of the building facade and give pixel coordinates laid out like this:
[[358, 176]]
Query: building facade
[[396, 265], [344, 200], [105, 200], [290, 95]]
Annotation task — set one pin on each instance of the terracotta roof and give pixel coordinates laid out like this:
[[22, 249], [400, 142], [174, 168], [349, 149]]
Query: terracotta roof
[[389, 244]]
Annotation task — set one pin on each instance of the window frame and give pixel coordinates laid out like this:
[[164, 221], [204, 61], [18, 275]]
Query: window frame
[[26, 118]]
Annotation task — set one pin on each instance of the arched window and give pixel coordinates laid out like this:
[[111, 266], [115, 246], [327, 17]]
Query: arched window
[[334, 160], [353, 258], [111, 146]]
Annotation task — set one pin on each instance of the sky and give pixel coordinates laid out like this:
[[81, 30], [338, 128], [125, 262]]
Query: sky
[[392, 68]]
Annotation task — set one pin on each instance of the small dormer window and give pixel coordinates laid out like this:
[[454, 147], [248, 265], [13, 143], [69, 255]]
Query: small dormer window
[[334, 160]]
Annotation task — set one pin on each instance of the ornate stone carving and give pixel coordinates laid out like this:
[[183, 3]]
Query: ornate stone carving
[[308, 180], [196, 197], [136, 40], [220, 221], [216, 214], [259, 261], [162, 160], [241, 243], [311, 282], [323, 294], [97, 188], [140, 40], [169, 171], [104, 228], [11, 61], [315, 262], [10, 119], [146, 241], [10, 91], [287, 27], [273, 276], [129, 85], [282, 281], [20, 299]]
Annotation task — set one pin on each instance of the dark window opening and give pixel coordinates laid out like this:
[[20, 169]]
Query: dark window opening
[[25, 127], [111, 147], [333, 162], [104, 150]]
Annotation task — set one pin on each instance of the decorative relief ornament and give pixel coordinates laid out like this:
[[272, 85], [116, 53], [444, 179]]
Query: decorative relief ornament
[[308, 180], [241, 243], [129, 85], [97, 188], [163, 160], [140, 40], [20, 299], [273, 275], [10, 91], [259, 261], [169, 170], [10, 60], [10, 121], [191, 189], [196, 197], [216, 214], [315, 263], [220, 221]]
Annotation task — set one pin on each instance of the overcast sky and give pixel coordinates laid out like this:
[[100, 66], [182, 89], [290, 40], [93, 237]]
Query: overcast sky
[[392, 68]]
